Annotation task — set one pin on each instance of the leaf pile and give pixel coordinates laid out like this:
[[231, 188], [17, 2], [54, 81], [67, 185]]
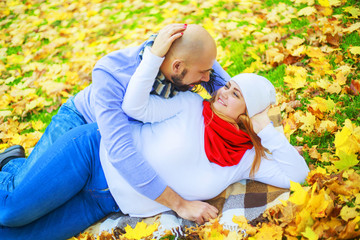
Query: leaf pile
[[309, 49]]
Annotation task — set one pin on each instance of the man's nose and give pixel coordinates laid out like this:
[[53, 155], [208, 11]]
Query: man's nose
[[205, 77]]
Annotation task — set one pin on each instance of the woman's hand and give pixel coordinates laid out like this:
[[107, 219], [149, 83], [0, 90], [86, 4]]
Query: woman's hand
[[166, 37], [260, 120]]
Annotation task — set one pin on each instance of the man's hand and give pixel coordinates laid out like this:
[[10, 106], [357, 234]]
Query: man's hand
[[197, 211], [260, 120], [166, 37]]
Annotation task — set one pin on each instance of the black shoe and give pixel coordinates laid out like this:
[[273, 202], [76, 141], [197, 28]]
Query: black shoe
[[15, 151]]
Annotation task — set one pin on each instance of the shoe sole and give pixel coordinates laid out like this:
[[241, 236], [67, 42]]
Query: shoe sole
[[12, 152]]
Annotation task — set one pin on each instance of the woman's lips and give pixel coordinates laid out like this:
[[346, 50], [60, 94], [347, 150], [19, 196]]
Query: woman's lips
[[221, 102]]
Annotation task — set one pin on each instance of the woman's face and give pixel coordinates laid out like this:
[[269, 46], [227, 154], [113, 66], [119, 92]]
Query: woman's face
[[229, 101]]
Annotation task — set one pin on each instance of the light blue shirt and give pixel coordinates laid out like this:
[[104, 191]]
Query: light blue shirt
[[101, 102]]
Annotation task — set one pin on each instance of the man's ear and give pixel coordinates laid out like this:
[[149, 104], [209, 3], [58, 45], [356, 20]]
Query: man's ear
[[178, 66]]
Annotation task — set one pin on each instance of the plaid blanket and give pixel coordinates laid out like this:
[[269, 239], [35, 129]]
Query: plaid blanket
[[245, 198]]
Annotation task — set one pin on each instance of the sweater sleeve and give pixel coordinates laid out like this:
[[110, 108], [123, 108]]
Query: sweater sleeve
[[138, 103], [221, 77], [117, 138], [284, 164]]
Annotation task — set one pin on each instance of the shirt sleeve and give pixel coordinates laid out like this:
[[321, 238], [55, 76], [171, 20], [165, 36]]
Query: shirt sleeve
[[220, 79], [138, 103], [116, 135], [284, 164]]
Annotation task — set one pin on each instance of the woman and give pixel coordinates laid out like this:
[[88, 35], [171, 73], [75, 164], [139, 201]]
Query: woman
[[186, 140]]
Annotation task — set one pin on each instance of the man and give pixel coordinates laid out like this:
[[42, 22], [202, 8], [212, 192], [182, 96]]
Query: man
[[189, 61]]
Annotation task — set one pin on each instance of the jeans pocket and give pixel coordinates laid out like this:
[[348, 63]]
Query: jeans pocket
[[104, 200]]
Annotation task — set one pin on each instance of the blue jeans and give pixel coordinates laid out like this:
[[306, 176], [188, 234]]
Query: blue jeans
[[66, 119], [62, 192]]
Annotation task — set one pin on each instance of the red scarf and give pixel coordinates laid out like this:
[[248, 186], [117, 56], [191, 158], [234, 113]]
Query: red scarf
[[224, 144]]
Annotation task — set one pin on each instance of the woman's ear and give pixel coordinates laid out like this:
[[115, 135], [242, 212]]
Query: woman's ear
[[178, 66]]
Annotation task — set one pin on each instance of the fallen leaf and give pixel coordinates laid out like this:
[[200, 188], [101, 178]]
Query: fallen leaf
[[347, 160], [140, 231], [310, 234]]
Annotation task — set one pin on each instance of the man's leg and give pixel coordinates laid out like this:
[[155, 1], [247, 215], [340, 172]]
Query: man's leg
[[66, 119], [88, 206], [66, 221], [57, 176]]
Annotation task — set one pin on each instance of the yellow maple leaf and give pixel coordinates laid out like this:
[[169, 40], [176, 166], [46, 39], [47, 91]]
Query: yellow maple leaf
[[334, 88], [302, 220], [340, 78], [323, 83], [310, 234], [347, 140], [307, 11], [347, 213], [299, 195], [269, 231], [327, 125], [347, 160], [352, 28], [38, 125], [243, 224], [318, 103], [294, 43], [320, 204], [354, 11], [329, 3], [307, 2], [274, 56], [321, 67], [5, 113], [295, 77], [344, 69], [308, 120], [355, 50], [314, 52], [140, 231]]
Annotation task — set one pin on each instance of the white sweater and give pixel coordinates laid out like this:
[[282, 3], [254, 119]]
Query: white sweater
[[172, 140]]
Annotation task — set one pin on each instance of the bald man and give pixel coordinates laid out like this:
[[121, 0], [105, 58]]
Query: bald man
[[190, 54]]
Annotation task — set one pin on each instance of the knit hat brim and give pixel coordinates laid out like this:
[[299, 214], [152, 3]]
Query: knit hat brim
[[258, 92]]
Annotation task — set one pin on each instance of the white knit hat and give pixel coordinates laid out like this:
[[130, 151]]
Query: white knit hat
[[258, 92]]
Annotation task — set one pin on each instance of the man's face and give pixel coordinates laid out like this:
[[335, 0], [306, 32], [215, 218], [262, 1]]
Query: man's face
[[192, 75]]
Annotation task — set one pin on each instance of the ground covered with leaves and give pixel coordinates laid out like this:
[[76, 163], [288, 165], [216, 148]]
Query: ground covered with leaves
[[309, 49]]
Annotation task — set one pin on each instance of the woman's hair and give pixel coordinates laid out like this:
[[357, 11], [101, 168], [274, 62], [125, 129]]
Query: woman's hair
[[244, 123]]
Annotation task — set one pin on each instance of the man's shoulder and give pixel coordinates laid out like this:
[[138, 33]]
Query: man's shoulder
[[120, 60]]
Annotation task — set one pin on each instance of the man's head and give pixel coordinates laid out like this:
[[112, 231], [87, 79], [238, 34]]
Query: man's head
[[190, 59]]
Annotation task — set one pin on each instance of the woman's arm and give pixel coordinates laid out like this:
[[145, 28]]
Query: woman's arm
[[285, 164], [138, 103]]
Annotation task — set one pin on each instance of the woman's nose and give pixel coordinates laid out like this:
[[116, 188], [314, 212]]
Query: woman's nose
[[225, 94]]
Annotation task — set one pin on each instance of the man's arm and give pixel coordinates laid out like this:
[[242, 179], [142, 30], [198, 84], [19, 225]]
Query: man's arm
[[117, 138]]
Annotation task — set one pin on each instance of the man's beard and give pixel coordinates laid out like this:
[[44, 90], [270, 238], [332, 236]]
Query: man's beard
[[177, 79]]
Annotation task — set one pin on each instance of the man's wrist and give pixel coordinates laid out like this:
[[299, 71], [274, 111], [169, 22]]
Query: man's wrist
[[170, 199]]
